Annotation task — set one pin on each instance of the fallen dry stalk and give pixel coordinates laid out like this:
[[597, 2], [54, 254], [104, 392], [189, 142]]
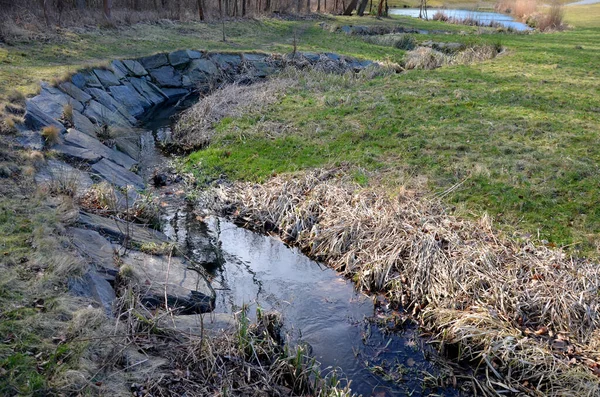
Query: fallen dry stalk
[[525, 315]]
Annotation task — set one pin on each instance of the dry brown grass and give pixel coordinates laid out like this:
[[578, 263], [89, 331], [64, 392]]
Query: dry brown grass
[[526, 316], [195, 126], [51, 134], [429, 58], [553, 19]]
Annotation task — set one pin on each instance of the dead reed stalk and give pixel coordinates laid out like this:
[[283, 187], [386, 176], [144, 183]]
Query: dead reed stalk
[[525, 315]]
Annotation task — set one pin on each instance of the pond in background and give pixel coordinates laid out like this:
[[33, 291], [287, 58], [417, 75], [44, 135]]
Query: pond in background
[[482, 16]]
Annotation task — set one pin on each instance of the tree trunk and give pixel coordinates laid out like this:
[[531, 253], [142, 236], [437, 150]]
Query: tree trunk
[[107, 5], [318, 5], [380, 8], [200, 10], [351, 7], [46, 11], [362, 6], [243, 8], [308, 6]]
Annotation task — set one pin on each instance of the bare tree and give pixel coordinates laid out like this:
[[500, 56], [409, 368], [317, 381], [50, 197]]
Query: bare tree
[[201, 9], [423, 9], [46, 11], [380, 9], [351, 7], [107, 5], [362, 6]]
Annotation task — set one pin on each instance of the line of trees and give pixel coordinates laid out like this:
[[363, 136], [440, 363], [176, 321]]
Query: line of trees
[[52, 10]]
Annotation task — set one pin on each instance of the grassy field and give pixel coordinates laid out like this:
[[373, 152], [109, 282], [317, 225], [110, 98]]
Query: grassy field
[[517, 135]]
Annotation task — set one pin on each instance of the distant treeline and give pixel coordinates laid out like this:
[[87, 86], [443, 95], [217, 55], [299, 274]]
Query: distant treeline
[[54, 11]]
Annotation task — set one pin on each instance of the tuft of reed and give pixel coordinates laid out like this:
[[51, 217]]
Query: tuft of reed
[[51, 135], [429, 58], [526, 316]]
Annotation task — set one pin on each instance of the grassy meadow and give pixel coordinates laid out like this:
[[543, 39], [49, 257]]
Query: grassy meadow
[[515, 137]]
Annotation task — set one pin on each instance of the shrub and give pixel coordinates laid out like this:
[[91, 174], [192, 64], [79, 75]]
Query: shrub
[[553, 20], [51, 134], [440, 16]]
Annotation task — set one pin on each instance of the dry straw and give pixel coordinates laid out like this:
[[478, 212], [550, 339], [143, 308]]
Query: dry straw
[[526, 316]]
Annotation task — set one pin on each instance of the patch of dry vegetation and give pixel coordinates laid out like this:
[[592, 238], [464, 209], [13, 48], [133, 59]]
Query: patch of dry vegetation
[[194, 128], [526, 316], [429, 58]]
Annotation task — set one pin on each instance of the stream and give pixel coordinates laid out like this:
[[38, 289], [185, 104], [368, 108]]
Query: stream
[[342, 328], [486, 17]]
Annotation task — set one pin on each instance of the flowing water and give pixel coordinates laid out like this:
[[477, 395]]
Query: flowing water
[[342, 328], [484, 17]]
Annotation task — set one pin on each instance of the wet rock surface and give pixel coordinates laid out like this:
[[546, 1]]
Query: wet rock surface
[[186, 290]]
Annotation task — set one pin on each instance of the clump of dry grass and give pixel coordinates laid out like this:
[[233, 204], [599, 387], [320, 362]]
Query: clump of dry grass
[[525, 315], [251, 361], [552, 20], [195, 127], [67, 115], [429, 58], [51, 135]]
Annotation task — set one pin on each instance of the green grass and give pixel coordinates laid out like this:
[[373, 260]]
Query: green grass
[[520, 131]]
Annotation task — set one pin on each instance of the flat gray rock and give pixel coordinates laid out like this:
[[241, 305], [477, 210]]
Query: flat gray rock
[[119, 70], [97, 249], [76, 153], [106, 77], [154, 61], [87, 78], [187, 290], [53, 101], [251, 57], [166, 76], [227, 62], [174, 93], [94, 286], [78, 138], [129, 98], [312, 57], [117, 229], [57, 171], [75, 92], [117, 175], [146, 90], [83, 124], [194, 54], [202, 70], [36, 119], [135, 68], [129, 144], [30, 139], [179, 58], [207, 324], [105, 99], [101, 115]]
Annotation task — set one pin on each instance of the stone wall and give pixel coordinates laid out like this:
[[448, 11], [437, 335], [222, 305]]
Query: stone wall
[[118, 97]]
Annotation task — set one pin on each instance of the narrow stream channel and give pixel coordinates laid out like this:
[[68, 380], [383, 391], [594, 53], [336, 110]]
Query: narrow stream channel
[[319, 308]]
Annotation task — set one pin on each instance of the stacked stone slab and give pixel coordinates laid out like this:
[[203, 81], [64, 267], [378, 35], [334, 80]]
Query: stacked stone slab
[[116, 98]]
